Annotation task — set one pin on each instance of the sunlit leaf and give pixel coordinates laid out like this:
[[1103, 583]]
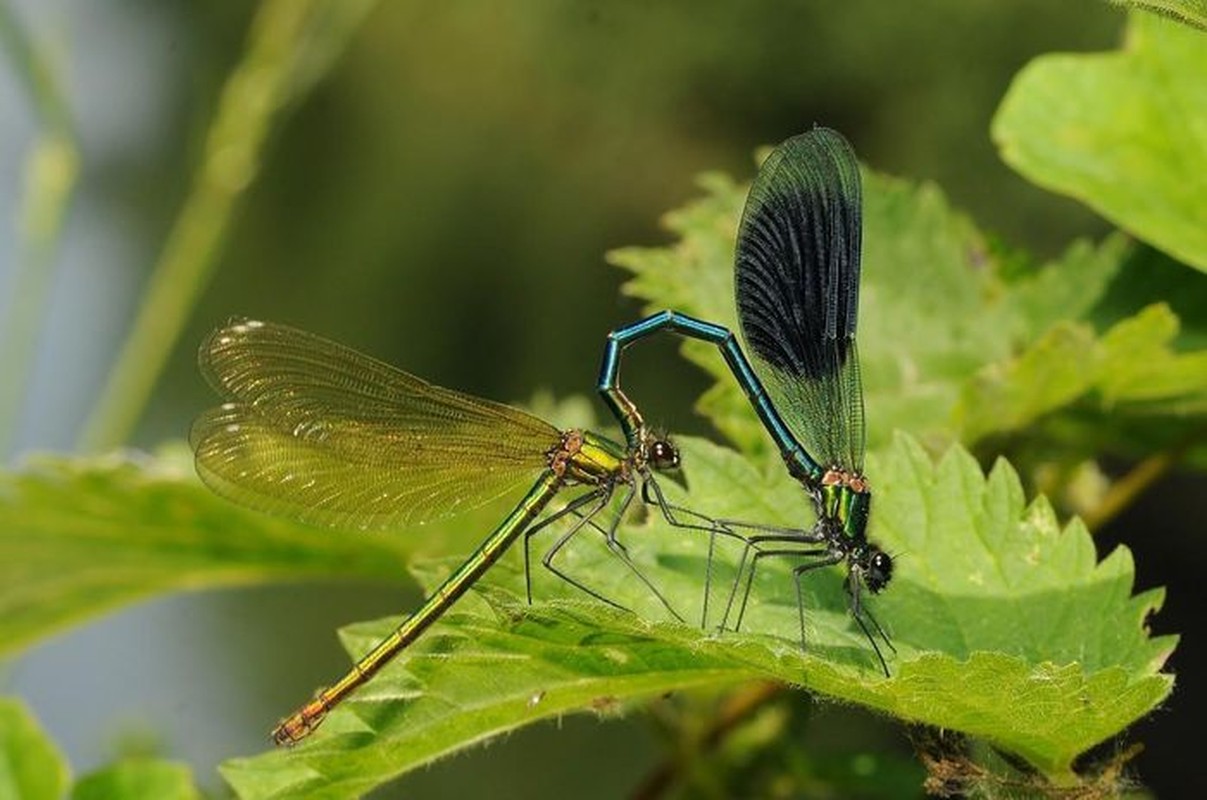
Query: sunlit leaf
[[1007, 627], [1121, 131], [82, 536]]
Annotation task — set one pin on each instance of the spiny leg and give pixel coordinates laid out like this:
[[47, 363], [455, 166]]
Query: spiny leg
[[622, 553], [754, 565], [827, 558], [584, 519], [872, 641], [652, 494], [859, 611], [586, 512], [600, 497], [780, 535]]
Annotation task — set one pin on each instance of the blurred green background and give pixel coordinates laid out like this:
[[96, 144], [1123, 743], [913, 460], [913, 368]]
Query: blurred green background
[[443, 199]]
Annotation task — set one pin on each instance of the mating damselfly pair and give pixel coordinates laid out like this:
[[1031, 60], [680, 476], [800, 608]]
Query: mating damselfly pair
[[319, 432]]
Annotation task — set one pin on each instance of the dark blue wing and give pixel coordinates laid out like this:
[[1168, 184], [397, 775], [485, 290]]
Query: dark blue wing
[[797, 283]]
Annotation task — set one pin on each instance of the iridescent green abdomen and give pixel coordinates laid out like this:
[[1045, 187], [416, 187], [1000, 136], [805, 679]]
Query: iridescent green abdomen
[[846, 498]]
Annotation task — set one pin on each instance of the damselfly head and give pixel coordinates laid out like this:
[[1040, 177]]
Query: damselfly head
[[876, 567], [663, 455]]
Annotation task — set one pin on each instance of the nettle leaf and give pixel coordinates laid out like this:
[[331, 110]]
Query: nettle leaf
[[1120, 132], [1150, 276], [1191, 12], [82, 536], [1132, 364], [926, 315], [1140, 366], [930, 310], [1007, 627], [958, 342], [31, 767], [927, 323], [1073, 288]]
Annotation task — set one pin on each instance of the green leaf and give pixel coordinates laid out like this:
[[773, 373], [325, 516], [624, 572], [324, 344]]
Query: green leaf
[[1073, 288], [1131, 364], [1141, 367], [923, 328], [931, 323], [138, 779], [930, 310], [1122, 132], [82, 536], [1148, 276], [1191, 12], [1006, 627], [961, 340], [31, 768]]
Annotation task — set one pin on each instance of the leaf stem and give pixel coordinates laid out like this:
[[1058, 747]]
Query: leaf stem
[[279, 62], [51, 173], [1124, 491]]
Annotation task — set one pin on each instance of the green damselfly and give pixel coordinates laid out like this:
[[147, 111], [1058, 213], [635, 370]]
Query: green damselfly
[[319, 432]]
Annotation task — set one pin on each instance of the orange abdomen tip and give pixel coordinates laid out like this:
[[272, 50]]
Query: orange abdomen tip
[[300, 724]]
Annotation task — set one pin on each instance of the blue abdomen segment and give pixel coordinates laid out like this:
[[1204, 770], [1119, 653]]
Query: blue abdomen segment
[[800, 463]]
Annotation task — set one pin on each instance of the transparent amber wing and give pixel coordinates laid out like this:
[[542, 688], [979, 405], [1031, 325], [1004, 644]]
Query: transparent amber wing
[[319, 432]]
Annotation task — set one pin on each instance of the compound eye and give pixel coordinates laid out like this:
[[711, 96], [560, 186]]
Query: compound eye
[[664, 455], [879, 571]]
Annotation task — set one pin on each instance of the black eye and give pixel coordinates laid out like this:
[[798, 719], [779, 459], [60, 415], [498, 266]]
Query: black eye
[[879, 571], [663, 455]]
